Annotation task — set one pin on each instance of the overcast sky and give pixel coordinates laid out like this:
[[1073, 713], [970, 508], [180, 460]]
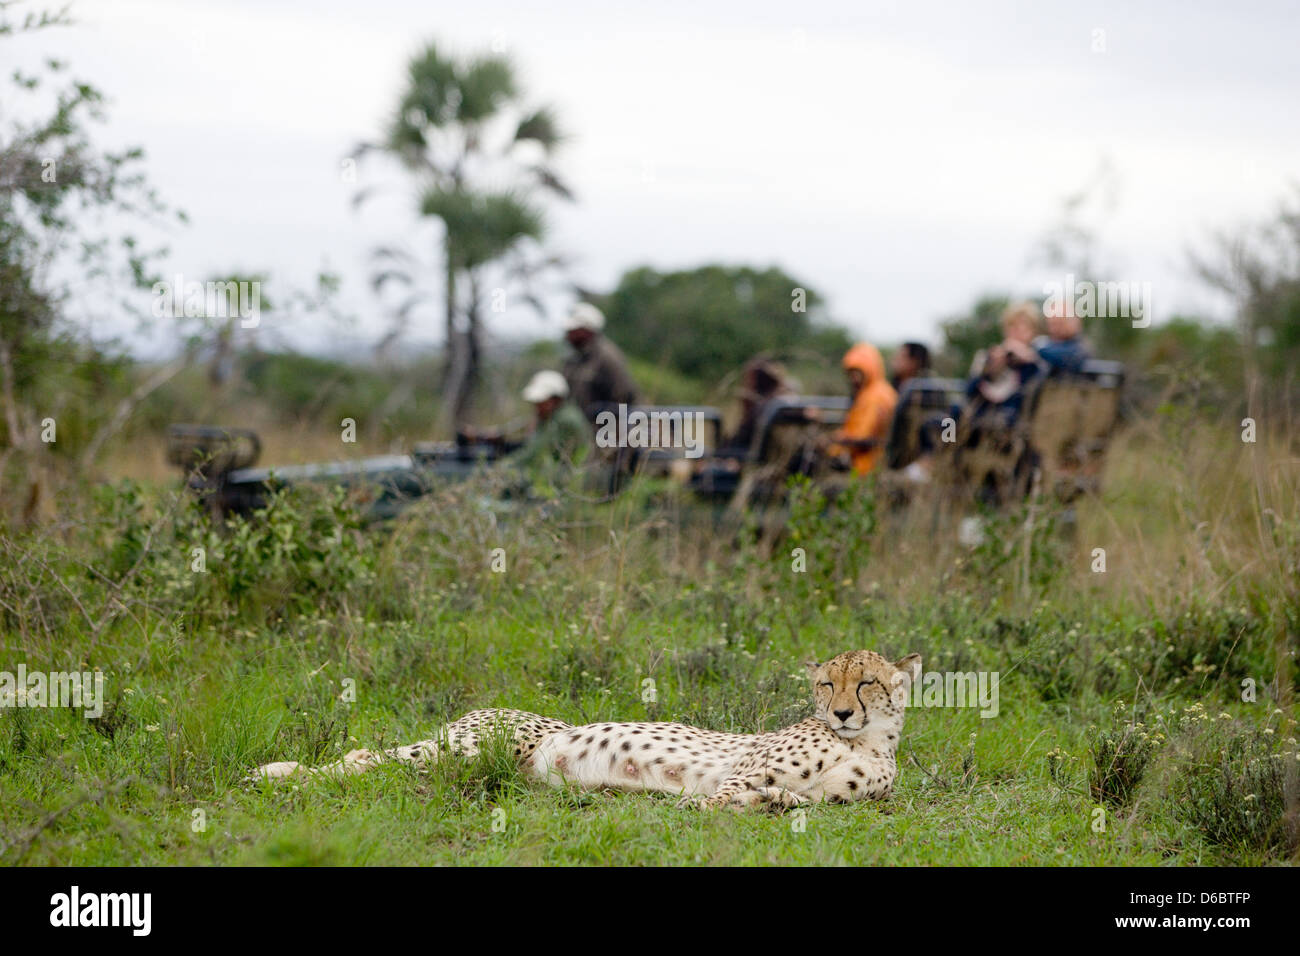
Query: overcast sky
[[899, 157]]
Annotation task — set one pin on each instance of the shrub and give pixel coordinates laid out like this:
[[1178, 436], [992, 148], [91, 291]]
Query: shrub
[[1121, 754], [1236, 784], [836, 538]]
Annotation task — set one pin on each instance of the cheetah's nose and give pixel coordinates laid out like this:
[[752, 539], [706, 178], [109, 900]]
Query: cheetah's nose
[[843, 714]]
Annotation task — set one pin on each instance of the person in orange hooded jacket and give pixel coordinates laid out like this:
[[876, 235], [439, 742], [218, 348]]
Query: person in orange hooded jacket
[[866, 427]]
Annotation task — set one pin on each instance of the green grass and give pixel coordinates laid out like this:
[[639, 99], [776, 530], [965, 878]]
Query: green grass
[[209, 675], [188, 728], [1005, 810]]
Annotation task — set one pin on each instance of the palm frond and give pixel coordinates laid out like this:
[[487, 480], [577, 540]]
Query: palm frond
[[540, 126], [485, 84], [482, 226], [547, 179], [392, 254], [432, 87], [405, 137], [384, 277]]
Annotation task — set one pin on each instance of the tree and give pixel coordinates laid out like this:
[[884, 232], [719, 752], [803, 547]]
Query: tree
[[462, 130], [965, 335], [705, 322], [1259, 268], [54, 184]]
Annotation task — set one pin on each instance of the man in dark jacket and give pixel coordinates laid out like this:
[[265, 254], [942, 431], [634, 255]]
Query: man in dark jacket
[[596, 371]]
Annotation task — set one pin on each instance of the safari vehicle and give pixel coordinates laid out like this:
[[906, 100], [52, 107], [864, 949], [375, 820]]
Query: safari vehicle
[[919, 400], [219, 465], [793, 430], [1071, 421], [1060, 438], [787, 441], [666, 455]]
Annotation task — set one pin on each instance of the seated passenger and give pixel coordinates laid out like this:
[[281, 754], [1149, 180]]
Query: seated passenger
[[1063, 347], [860, 442], [996, 390], [561, 437], [1002, 372], [912, 360], [761, 382]]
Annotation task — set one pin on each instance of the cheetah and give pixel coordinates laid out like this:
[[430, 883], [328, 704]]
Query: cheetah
[[843, 753]]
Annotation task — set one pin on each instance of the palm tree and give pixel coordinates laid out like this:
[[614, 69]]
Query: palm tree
[[462, 130]]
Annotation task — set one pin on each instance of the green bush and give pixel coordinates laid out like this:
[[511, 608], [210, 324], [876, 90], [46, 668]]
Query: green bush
[[1121, 754], [1236, 784]]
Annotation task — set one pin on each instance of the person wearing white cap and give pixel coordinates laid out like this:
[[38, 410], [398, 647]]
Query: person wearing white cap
[[596, 371], [545, 387], [562, 434]]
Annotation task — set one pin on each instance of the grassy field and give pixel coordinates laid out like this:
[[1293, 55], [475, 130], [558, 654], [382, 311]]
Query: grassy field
[[1122, 736]]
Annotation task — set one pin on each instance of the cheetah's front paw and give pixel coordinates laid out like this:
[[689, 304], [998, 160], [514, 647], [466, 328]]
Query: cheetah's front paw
[[770, 798], [779, 798]]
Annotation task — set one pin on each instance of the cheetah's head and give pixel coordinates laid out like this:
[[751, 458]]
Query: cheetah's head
[[860, 689]]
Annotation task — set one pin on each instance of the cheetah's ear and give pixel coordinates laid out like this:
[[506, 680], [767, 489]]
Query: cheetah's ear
[[909, 670], [812, 667]]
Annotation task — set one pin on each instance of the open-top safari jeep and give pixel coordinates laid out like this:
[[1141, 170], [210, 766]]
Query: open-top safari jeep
[[677, 436], [789, 438], [1071, 421], [1059, 441], [919, 400], [219, 465]]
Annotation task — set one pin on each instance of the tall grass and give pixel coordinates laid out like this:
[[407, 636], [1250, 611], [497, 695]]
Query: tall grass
[[309, 634]]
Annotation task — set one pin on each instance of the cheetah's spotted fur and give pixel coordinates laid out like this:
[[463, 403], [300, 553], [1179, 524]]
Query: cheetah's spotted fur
[[844, 752]]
